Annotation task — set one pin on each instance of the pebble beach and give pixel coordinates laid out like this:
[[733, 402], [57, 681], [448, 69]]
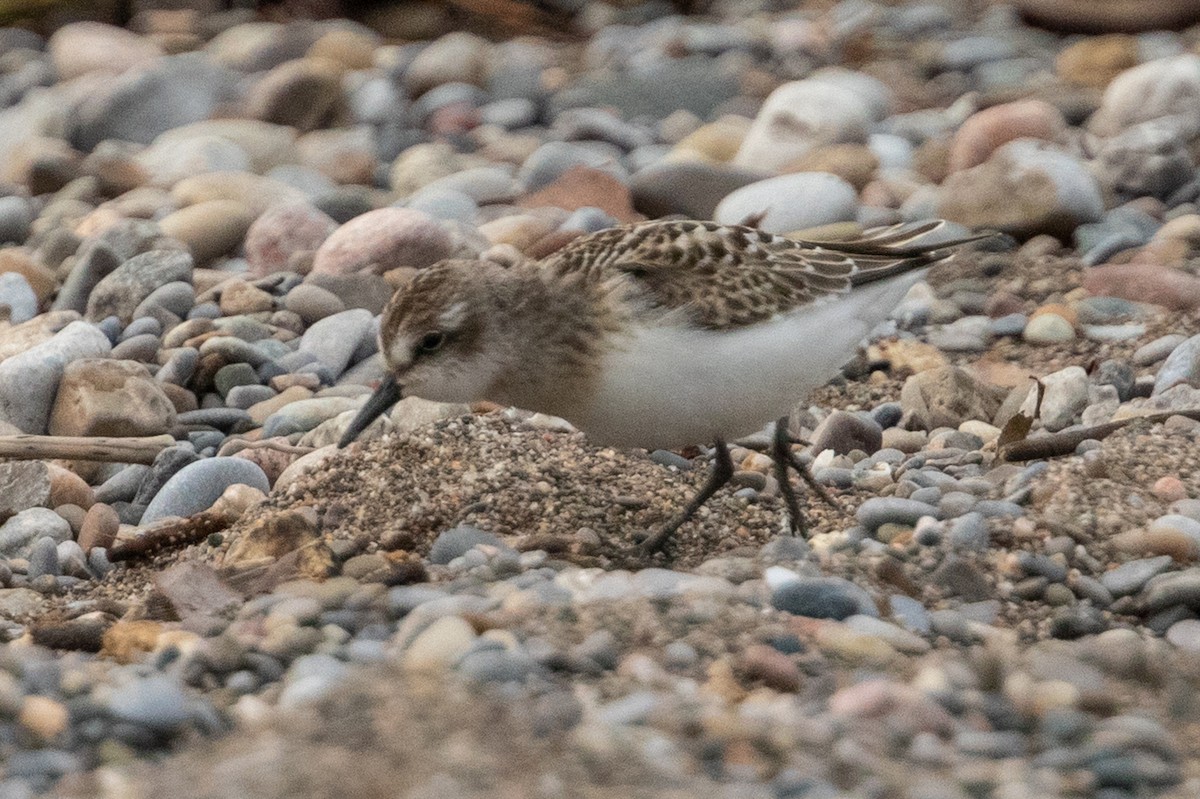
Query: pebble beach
[[202, 216]]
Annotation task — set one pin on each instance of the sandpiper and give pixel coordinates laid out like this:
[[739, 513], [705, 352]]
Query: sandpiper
[[657, 334]]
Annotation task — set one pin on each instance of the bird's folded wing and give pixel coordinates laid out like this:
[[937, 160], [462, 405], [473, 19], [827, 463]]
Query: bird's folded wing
[[725, 276]]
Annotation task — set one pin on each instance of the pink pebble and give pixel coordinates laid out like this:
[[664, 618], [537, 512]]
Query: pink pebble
[[282, 231], [382, 240]]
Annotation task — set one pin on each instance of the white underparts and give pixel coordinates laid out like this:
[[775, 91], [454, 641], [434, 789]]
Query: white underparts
[[670, 386]]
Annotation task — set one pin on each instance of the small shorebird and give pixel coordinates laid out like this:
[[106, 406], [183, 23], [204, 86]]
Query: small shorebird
[[656, 334]]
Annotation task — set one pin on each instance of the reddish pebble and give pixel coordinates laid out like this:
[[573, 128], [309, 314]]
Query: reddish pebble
[[381, 240], [272, 461], [99, 528], [1173, 289], [282, 232], [1169, 489], [456, 118], [770, 666], [581, 187], [1003, 303], [986, 130]]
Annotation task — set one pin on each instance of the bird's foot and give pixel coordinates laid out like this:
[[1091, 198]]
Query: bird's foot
[[722, 473], [785, 460]]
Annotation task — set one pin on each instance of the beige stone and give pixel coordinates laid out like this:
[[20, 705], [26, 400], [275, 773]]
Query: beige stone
[[1095, 60], [344, 155], [16, 339], [19, 260], [854, 163], [260, 411], [99, 397], [44, 717], [440, 645], [256, 192], [209, 229], [129, 641], [716, 141], [239, 297], [352, 48], [1024, 188], [236, 500], [267, 145], [82, 47]]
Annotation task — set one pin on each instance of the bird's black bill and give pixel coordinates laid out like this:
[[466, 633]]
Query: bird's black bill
[[388, 394]]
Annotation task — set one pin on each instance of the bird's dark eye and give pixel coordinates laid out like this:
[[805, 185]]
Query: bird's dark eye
[[432, 341]]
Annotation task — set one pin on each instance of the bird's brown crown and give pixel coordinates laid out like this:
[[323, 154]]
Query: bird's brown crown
[[437, 308]]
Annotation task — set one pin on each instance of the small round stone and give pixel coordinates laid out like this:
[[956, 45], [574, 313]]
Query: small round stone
[[43, 716], [844, 432], [820, 598], [99, 528], [1185, 635], [1049, 328], [1169, 489], [458, 541]]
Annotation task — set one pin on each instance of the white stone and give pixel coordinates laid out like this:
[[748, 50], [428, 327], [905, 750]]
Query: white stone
[[777, 576], [791, 202], [1065, 396], [440, 645], [1161, 88], [800, 116]]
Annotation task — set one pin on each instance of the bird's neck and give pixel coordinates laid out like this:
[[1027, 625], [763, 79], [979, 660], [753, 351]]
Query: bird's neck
[[552, 336]]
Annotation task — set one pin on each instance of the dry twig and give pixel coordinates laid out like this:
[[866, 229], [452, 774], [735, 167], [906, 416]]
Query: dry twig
[[1064, 443], [175, 532], [108, 449]]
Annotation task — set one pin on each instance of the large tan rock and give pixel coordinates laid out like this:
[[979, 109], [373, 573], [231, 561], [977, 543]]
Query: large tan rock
[[256, 192], [1024, 188], [17, 339], [100, 397], [947, 397], [82, 47]]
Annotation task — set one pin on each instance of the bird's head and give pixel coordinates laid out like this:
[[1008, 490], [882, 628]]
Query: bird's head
[[434, 336]]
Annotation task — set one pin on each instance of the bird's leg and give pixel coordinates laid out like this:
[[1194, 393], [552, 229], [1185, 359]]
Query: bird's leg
[[784, 458], [818, 489], [722, 473], [781, 457]]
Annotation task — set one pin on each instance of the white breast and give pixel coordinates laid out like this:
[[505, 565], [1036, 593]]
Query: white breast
[[671, 386]]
